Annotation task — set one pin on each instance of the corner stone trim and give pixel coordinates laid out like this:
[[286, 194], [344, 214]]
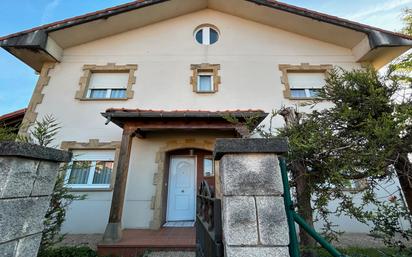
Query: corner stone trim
[[36, 99]]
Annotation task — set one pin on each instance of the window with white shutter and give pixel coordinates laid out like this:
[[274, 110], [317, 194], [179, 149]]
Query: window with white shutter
[[107, 86], [305, 84]]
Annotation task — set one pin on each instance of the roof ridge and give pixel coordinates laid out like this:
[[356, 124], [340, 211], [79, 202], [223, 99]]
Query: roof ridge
[[269, 3]]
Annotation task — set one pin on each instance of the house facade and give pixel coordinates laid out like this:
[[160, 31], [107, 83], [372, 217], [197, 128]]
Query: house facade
[[142, 91]]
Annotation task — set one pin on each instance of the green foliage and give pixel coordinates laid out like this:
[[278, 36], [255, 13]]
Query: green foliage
[[407, 21], [42, 132], [360, 136], [56, 213], [386, 223], [68, 252], [7, 134]]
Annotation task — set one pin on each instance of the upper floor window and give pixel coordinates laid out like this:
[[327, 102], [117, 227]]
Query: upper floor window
[[205, 78], [107, 85], [205, 82], [303, 81], [206, 35], [305, 85], [107, 82]]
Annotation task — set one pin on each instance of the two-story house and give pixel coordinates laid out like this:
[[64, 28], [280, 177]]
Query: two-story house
[[141, 91]]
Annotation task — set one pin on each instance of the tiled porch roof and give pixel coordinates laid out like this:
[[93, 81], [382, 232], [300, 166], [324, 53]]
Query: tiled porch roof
[[122, 112], [153, 120]]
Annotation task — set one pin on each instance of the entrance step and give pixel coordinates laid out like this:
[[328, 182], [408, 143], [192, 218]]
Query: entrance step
[[135, 242], [170, 254]]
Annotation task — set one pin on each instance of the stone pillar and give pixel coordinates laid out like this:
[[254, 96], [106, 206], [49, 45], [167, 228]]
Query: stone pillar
[[253, 211], [27, 177]]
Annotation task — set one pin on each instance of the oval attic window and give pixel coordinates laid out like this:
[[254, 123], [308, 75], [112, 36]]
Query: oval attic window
[[206, 35]]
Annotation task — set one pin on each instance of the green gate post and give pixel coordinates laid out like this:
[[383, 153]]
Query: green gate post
[[325, 244], [292, 216], [293, 244]]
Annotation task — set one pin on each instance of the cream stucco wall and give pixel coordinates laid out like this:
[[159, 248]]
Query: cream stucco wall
[[249, 54]]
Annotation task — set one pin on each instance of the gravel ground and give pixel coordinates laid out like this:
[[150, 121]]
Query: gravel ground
[[89, 240]]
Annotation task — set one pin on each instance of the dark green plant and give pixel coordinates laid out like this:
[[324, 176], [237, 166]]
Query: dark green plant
[[407, 21], [68, 252], [56, 213], [7, 134], [42, 132], [365, 134]]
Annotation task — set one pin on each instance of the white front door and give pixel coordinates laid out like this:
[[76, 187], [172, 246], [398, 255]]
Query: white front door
[[182, 190]]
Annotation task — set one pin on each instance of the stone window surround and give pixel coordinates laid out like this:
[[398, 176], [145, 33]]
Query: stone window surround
[[89, 69], [302, 68], [205, 67], [95, 144]]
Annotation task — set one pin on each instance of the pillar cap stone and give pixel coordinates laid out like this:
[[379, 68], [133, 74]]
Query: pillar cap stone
[[32, 151], [277, 145]]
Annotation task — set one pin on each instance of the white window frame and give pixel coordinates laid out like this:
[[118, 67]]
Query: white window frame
[[212, 89], [93, 158], [108, 93], [307, 92], [213, 166], [206, 34], [108, 89]]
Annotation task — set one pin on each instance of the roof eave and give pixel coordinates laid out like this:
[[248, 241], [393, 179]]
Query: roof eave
[[121, 117], [35, 46]]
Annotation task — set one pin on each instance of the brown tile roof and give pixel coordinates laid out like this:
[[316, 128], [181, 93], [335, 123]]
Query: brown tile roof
[[12, 119], [120, 116], [12, 115], [178, 113], [142, 3]]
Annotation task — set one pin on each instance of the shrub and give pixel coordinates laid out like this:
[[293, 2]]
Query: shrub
[[68, 252]]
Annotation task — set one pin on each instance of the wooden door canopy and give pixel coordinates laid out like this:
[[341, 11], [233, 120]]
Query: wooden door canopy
[[142, 121]]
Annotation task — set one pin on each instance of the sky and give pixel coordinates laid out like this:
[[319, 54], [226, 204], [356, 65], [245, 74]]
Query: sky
[[17, 80]]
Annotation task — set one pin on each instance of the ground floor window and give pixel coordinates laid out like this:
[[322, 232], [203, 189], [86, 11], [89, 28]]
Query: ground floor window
[[208, 169], [90, 169]]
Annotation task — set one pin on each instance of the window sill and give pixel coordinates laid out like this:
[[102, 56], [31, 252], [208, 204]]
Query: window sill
[[90, 189], [104, 99], [304, 98]]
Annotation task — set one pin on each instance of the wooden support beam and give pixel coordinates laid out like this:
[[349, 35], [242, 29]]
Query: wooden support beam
[[113, 232]]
